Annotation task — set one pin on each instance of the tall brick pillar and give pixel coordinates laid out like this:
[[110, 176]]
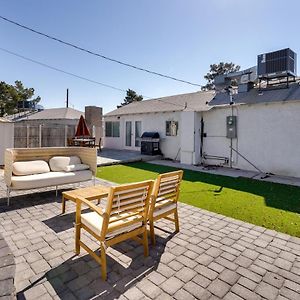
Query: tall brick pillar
[[93, 117]]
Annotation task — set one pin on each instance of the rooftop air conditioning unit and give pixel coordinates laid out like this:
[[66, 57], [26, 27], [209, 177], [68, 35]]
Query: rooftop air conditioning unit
[[279, 63]]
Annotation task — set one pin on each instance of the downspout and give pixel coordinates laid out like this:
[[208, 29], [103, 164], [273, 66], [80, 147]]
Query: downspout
[[231, 103], [231, 140], [201, 138]]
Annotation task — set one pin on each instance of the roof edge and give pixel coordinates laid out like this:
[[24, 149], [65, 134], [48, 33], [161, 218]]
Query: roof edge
[[163, 99]]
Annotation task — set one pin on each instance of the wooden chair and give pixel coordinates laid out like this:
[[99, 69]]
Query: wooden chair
[[70, 142], [99, 144], [125, 217], [92, 142], [164, 200]]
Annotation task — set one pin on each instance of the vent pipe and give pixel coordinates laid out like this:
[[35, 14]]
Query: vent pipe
[[67, 102]]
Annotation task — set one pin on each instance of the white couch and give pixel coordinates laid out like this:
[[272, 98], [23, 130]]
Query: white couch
[[31, 168]]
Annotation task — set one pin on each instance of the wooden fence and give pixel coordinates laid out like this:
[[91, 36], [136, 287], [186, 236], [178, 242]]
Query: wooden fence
[[52, 135]]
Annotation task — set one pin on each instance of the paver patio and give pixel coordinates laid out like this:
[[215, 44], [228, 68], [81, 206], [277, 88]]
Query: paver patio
[[213, 257], [114, 156]]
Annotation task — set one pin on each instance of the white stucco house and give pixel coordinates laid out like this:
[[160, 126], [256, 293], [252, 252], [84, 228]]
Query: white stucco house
[[172, 117], [194, 128]]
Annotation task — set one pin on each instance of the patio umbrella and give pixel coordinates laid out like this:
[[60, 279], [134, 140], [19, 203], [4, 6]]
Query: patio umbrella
[[82, 129]]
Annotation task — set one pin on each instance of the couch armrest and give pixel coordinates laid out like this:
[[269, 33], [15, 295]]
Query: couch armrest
[[8, 167], [88, 156]]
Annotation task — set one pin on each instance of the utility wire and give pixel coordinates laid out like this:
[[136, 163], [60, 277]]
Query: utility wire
[[98, 54], [183, 106], [78, 76], [65, 72]]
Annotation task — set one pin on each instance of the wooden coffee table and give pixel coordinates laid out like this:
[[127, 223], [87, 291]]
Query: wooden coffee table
[[95, 192]]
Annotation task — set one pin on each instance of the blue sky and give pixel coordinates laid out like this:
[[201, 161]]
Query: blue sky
[[176, 37]]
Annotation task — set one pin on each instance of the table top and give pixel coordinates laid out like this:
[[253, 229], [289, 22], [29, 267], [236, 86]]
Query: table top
[[89, 193], [83, 139]]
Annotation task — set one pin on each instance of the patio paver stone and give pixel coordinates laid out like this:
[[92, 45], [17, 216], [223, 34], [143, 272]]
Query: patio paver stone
[[212, 257]]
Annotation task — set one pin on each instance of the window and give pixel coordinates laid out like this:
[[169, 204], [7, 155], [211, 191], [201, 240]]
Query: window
[[112, 129], [171, 128]]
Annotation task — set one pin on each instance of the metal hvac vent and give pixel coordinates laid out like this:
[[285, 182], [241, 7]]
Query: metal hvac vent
[[277, 64]]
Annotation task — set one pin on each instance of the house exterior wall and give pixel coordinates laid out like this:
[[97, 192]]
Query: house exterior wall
[[190, 137], [169, 145], [187, 142], [7, 139], [197, 134], [268, 135]]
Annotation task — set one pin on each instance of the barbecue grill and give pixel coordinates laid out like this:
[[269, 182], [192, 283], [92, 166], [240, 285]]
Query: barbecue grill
[[150, 143]]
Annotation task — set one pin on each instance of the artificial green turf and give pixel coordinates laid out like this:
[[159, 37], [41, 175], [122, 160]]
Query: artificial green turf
[[271, 205]]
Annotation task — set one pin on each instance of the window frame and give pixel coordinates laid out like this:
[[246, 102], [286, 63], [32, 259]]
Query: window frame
[[169, 130], [114, 129]]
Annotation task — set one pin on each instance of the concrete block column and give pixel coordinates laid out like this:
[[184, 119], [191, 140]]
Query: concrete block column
[[93, 117], [187, 137]]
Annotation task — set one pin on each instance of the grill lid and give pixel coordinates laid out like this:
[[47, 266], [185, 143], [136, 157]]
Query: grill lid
[[150, 135]]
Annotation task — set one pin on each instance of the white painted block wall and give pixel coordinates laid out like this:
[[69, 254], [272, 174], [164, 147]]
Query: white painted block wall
[[268, 135], [7, 139], [187, 142], [170, 145]]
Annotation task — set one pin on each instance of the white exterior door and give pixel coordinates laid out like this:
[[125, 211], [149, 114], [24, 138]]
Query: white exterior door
[[128, 134], [133, 131], [137, 134]]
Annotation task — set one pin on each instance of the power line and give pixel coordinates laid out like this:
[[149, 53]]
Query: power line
[[183, 106], [98, 54], [62, 71]]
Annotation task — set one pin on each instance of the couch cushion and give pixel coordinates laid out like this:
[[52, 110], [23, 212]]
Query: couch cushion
[[30, 167], [79, 167], [49, 179], [59, 163]]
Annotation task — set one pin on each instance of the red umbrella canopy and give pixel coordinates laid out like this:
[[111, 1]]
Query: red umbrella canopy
[[82, 129]]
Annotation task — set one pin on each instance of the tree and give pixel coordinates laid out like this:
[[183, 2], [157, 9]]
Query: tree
[[131, 96], [14, 97], [219, 69], [6, 95]]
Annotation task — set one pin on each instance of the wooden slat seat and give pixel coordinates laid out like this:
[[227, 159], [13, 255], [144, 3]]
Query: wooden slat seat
[[94, 222], [168, 206], [164, 200]]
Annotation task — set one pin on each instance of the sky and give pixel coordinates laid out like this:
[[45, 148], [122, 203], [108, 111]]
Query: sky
[[179, 38]]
